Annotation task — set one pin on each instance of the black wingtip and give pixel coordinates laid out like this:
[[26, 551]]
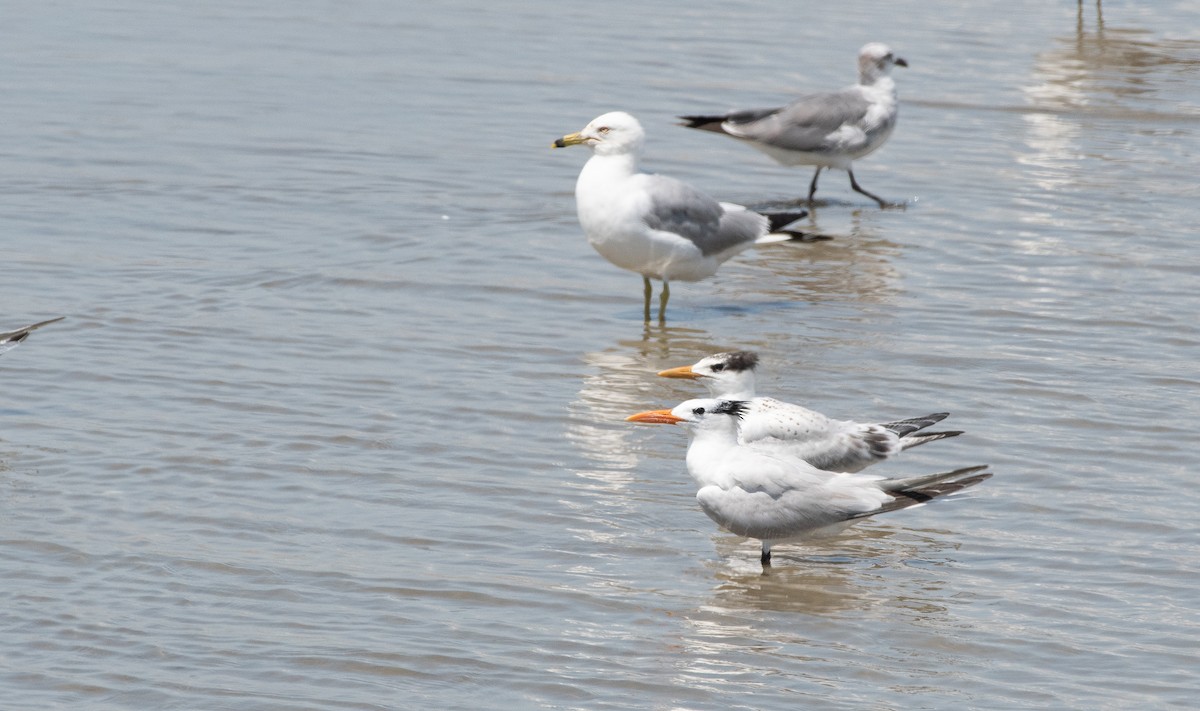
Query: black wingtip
[[18, 335], [967, 477], [914, 424], [941, 434], [704, 123], [779, 220]]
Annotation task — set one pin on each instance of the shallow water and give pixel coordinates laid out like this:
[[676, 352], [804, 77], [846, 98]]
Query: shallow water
[[335, 417]]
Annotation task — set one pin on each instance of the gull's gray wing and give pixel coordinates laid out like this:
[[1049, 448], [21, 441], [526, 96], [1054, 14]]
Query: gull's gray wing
[[679, 208], [803, 125], [748, 116]]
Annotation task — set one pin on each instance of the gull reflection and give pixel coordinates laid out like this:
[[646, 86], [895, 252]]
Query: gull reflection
[[617, 382], [1101, 73], [856, 265]]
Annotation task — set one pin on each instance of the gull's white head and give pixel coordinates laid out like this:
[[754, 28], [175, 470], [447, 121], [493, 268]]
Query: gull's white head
[[875, 61], [613, 133], [726, 375], [698, 414]]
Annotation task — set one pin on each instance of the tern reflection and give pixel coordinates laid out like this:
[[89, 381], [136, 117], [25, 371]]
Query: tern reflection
[[878, 574], [883, 566]]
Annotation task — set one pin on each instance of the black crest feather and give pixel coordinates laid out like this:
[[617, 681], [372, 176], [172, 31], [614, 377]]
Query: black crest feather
[[740, 360], [737, 408]]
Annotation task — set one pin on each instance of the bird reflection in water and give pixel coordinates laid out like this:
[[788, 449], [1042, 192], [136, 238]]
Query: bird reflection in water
[[1092, 77], [853, 573], [615, 380]]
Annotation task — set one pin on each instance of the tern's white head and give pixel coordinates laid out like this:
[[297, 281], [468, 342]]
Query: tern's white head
[[701, 414], [613, 133], [875, 60], [726, 375]]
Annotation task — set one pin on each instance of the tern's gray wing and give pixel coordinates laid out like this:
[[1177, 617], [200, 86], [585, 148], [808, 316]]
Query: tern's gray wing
[[919, 489], [681, 209], [805, 124], [11, 339]]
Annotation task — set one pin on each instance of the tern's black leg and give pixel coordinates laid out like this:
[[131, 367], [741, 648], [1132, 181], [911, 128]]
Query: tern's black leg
[[858, 189], [812, 187]]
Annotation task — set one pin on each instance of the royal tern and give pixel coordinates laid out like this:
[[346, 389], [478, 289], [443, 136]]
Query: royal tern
[[657, 226], [775, 497], [12, 339], [829, 130], [835, 445]]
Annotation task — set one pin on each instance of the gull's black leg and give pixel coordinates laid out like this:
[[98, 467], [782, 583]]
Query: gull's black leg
[[647, 290], [854, 184], [812, 187], [662, 302]]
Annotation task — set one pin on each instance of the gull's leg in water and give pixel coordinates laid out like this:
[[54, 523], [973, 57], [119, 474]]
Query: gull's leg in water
[[647, 290], [662, 302], [812, 187], [857, 189], [766, 554]]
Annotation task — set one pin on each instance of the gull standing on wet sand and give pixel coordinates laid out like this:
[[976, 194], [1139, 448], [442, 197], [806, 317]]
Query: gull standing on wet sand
[[777, 498], [835, 445], [828, 130], [657, 226]]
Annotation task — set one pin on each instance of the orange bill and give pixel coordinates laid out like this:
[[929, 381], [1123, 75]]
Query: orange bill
[[655, 417]]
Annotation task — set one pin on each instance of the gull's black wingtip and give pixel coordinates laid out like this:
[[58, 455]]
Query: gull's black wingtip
[[779, 220], [704, 123]]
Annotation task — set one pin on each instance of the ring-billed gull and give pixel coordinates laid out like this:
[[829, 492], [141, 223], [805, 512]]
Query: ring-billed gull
[[777, 498], [825, 443], [657, 226], [828, 130], [11, 339]]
